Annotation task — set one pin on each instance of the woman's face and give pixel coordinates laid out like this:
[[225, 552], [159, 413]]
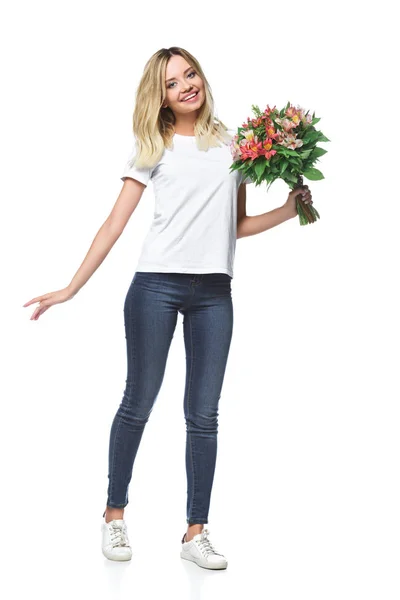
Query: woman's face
[[182, 80]]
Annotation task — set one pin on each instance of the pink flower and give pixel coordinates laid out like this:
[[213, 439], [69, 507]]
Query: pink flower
[[291, 142], [286, 124], [235, 149]]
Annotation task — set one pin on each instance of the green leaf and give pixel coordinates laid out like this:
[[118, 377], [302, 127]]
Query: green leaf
[[305, 153], [284, 165], [290, 152], [289, 177], [311, 136], [259, 167], [316, 152], [313, 174]]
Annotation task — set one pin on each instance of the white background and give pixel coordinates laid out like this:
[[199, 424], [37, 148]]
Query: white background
[[306, 495]]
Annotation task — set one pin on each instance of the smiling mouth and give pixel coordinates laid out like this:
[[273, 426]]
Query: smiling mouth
[[196, 94]]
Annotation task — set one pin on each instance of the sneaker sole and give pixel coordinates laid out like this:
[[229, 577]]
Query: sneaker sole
[[117, 558], [188, 556]]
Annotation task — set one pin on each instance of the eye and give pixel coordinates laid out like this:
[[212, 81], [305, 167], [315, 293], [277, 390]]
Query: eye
[[191, 73]]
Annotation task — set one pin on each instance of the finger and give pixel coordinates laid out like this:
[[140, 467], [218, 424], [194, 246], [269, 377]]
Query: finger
[[32, 301], [44, 310], [36, 314], [37, 299]]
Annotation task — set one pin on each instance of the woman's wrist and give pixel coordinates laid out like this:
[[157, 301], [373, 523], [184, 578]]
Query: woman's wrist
[[288, 211]]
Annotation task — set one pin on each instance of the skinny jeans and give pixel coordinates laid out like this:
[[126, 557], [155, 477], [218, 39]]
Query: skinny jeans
[[151, 310]]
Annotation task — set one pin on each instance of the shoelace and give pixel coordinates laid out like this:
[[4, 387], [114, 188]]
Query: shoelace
[[205, 545], [118, 534]]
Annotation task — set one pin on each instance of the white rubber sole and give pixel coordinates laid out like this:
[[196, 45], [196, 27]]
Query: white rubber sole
[[188, 556], [118, 558]]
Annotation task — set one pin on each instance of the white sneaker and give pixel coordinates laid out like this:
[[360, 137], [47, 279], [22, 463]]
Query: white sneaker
[[115, 542], [201, 551]]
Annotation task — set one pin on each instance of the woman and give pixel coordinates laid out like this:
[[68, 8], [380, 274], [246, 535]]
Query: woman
[[186, 266]]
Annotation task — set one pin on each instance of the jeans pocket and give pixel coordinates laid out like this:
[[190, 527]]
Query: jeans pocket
[[219, 284], [147, 280]]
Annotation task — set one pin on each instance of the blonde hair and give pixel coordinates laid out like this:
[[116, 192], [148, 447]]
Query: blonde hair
[[153, 126]]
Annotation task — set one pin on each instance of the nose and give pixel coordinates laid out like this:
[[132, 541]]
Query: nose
[[185, 92]]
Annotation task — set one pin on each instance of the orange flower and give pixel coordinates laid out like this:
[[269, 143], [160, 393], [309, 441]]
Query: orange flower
[[250, 147], [267, 149]]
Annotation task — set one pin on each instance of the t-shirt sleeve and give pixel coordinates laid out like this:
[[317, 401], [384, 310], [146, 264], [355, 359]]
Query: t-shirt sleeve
[[143, 175]]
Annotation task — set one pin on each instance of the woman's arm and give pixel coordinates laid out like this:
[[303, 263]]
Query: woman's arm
[[247, 225], [252, 225], [108, 233], [259, 223]]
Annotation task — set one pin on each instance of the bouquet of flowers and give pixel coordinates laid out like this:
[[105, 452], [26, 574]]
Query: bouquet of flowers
[[280, 144]]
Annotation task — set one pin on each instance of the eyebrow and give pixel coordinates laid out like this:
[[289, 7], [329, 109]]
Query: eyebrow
[[166, 81]]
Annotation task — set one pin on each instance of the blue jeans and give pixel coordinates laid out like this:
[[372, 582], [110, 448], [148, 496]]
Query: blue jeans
[[150, 312]]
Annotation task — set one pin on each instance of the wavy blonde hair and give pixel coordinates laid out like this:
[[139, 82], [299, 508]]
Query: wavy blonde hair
[[153, 126]]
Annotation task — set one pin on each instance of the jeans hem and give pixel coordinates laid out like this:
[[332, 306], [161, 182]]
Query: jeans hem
[[196, 522]]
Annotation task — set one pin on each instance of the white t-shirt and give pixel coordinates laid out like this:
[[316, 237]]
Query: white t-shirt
[[194, 224]]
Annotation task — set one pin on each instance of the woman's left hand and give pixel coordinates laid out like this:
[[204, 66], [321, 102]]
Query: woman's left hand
[[290, 203]]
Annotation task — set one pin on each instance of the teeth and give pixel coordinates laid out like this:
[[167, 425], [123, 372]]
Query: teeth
[[188, 98]]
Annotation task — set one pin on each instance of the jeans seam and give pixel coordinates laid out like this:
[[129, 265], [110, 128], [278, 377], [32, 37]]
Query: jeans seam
[[132, 365], [113, 460], [189, 413], [116, 441]]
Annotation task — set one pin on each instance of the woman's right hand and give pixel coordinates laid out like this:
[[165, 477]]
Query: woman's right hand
[[48, 300]]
